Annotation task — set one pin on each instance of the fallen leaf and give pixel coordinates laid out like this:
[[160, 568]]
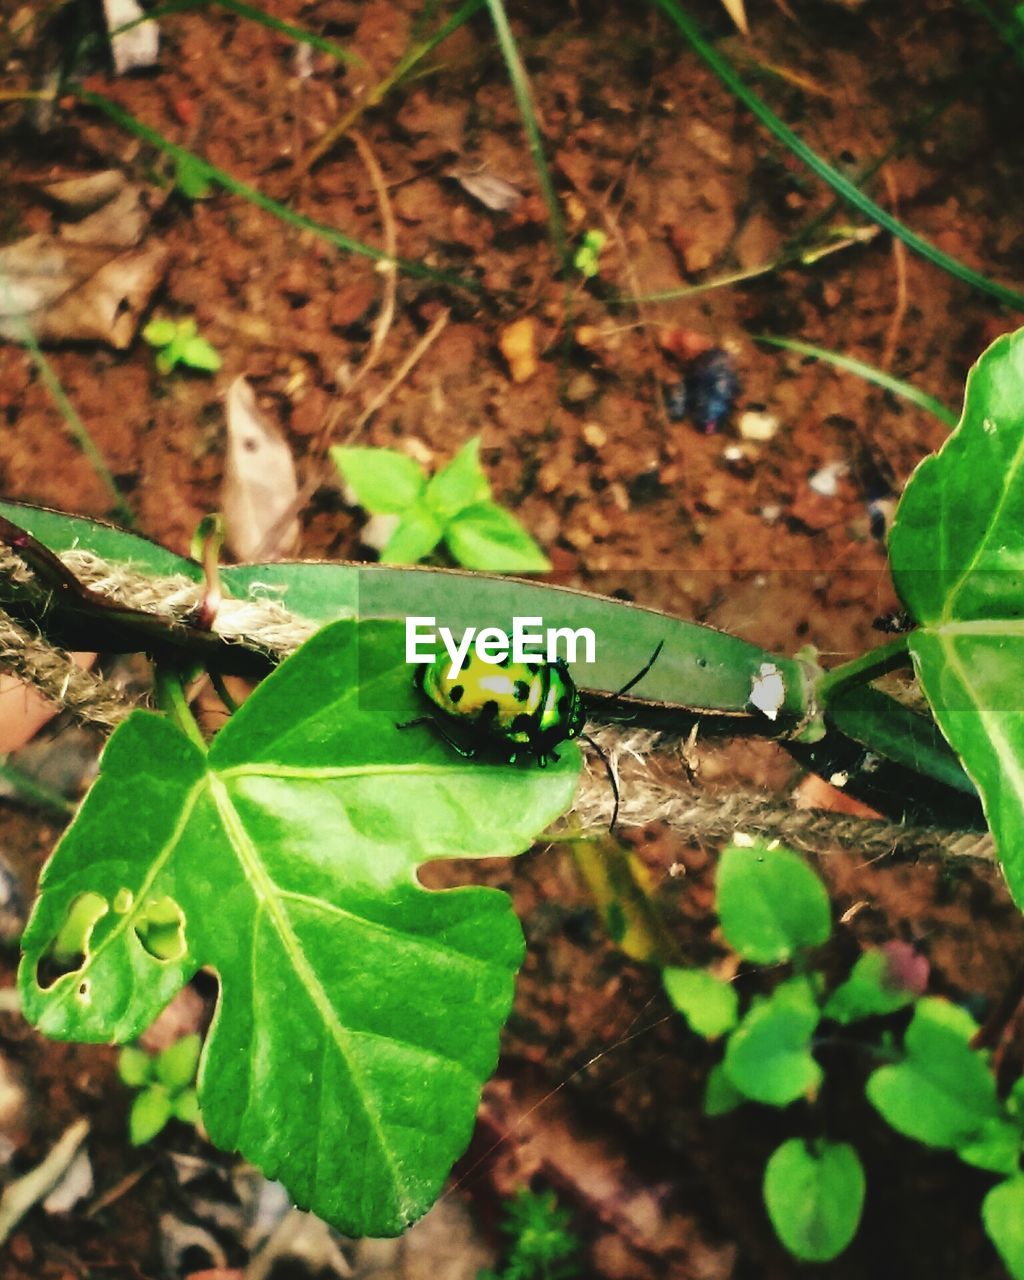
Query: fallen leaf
[[260, 487], [493, 192]]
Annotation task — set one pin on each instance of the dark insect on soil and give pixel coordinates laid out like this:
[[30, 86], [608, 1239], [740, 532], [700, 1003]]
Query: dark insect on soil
[[707, 393], [712, 385]]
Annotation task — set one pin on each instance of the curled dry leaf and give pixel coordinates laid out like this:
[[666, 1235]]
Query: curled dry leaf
[[493, 192], [260, 487], [91, 279]]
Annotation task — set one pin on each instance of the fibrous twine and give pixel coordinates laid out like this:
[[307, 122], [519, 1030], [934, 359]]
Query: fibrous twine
[[653, 782]]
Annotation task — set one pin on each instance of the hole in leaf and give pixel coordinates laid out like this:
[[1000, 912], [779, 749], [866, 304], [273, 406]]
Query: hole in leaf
[[160, 927], [85, 991], [69, 949], [123, 900]]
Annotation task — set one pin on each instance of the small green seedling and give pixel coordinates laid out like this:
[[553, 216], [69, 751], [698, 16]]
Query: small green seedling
[[587, 259], [454, 507], [178, 342], [166, 1085], [935, 1088], [541, 1244]]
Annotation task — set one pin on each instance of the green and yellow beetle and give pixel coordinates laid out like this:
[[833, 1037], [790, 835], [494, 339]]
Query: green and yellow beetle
[[506, 710], [510, 711]]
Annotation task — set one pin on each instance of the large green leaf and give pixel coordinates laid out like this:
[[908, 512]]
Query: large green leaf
[[358, 1013], [957, 549], [1002, 1212]]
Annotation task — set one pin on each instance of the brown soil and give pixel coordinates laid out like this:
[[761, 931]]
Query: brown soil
[[647, 146]]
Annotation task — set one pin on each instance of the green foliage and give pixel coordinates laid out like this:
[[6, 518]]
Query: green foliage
[[166, 1085], [191, 178], [542, 1245], [709, 1005], [453, 507], [359, 1014], [956, 546], [936, 1088], [814, 1196], [867, 992], [178, 342], [768, 1057], [943, 1094], [770, 903], [587, 259]]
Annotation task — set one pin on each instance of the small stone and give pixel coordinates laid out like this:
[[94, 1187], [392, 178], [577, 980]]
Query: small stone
[[826, 480], [518, 343], [755, 425], [595, 435], [581, 388]]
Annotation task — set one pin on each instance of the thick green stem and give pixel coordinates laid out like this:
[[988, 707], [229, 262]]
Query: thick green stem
[[869, 666], [171, 699]]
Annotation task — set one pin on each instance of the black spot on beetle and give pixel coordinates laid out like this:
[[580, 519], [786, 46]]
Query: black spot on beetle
[[520, 690], [456, 692], [489, 710], [533, 668], [503, 662], [523, 723]]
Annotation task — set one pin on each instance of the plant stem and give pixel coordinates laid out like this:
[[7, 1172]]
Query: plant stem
[[869, 666], [171, 699], [27, 790]]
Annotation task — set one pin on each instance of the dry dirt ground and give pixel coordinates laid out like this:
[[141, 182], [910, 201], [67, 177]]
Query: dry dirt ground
[[646, 146]]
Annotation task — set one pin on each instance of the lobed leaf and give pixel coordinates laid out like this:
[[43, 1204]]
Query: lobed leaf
[[358, 1012]]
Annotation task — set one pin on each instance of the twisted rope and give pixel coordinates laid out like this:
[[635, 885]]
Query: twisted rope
[[653, 782]]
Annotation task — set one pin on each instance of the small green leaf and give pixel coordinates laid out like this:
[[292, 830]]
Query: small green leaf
[[135, 1066], [150, 1112], [176, 1066], [385, 482], [197, 353], [867, 992], [720, 1095], [462, 483], [488, 537], [814, 1197], [768, 1057], [709, 1005], [160, 331], [185, 1106], [943, 1093], [1002, 1212], [770, 903], [417, 535], [997, 1147]]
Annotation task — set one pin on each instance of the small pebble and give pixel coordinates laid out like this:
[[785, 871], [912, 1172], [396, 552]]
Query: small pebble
[[826, 481], [755, 425], [595, 435]]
